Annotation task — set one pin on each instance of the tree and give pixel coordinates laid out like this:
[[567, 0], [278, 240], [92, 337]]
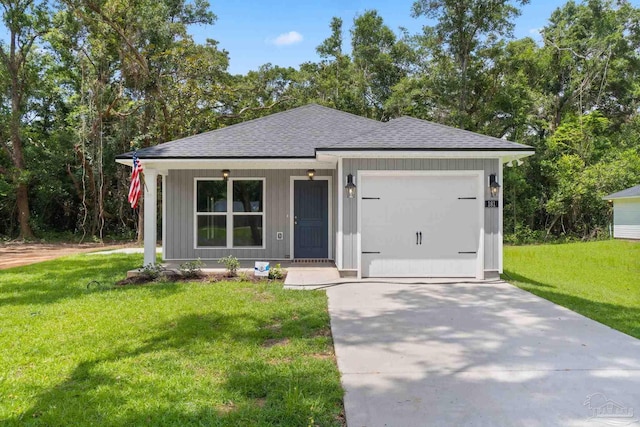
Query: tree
[[463, 28], [26, 21], [379, 61], [593, 48]]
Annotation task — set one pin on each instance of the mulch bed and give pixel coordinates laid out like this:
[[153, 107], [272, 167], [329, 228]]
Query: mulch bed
[[171, 276]]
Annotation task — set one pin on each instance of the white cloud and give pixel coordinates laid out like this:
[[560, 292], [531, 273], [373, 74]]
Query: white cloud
[[286, 39]]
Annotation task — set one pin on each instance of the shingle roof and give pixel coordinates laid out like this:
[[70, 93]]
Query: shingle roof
[[408, 133], [292, 133], [299, 132], [629, 192]]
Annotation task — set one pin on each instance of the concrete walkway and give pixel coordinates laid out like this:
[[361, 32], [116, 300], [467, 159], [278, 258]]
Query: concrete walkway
[[483, 354]]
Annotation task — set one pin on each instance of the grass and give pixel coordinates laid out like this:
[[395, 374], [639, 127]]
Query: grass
[[600, 280], [163, 354]]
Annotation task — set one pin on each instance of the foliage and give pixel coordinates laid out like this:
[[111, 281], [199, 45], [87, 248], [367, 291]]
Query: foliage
[[191, 268], [153, 271], [231, 263], [223, 354], [276, 272], [90, 80], [596, 279]]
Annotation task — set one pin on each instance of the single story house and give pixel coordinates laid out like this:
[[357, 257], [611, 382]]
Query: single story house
[[626, 213], [405, 198]]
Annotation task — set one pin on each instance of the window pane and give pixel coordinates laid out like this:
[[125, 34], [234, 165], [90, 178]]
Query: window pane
[[247, 196], [212, 196], [247, 230], [212, 230]]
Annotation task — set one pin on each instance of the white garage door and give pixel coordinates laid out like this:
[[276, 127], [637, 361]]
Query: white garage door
[[420, 226]]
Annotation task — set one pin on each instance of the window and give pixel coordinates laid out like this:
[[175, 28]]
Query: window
[[230, 222]]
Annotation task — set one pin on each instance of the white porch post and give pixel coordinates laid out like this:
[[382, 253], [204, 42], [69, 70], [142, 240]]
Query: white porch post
[[164, 214], [339, 234], [150, 215]]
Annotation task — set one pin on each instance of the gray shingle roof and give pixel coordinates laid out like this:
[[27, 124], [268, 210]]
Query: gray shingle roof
[[629, 192], [299, 132], [408, 133], [292, 133]]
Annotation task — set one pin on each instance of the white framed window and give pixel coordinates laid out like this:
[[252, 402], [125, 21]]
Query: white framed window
[[229, 214]]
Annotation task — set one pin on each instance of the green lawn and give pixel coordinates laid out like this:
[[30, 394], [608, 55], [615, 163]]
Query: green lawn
[[161, 354], [600, 280]]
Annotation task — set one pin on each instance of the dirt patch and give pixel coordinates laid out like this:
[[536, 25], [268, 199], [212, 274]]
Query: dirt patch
[[226, 407], [16, 254], [322, 356], [272, 342], [324, 332]]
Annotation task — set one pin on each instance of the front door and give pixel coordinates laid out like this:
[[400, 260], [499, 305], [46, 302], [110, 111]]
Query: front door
[[311, 219]]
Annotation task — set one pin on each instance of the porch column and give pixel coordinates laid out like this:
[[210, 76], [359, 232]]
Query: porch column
[[150, 215], [164, 174]]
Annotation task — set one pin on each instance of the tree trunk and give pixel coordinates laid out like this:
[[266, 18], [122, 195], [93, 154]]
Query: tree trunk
[[22, 194], [22, 199]]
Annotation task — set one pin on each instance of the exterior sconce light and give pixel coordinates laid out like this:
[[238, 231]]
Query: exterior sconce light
[[225, 174], [350, 188], [494, 187], [311, 173]]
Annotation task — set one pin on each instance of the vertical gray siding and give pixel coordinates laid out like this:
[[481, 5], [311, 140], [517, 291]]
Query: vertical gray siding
[[180, 214], [491, 254]]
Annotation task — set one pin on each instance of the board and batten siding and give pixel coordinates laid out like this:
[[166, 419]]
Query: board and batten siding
[[491, 215], [626, 218], [180, 214]]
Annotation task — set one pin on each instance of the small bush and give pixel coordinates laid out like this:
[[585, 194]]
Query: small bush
[[276, 272], [191, 268], [152, 271], [231, 263]]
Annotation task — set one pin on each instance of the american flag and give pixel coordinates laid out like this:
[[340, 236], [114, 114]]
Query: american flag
[[136, 186]]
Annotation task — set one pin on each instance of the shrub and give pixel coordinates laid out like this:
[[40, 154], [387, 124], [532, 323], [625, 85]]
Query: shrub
[[231, 263], [152, 271], [276, 272], [191, 268]]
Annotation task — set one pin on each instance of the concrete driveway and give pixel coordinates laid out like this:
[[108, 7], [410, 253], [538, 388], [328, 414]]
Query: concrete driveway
[[479, 354]]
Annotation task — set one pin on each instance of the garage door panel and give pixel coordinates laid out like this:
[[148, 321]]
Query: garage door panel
[[443, 208]]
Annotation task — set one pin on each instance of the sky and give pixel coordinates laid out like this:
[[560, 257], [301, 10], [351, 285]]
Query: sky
[[286, 32]]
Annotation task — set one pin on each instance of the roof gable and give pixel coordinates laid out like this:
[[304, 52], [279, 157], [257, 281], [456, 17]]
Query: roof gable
[[628, 192], [292, 133], [409, 133]]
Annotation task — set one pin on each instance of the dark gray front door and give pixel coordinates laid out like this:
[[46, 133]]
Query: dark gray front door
[[311, 219]]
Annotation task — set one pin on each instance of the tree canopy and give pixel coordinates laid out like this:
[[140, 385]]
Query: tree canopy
[[84, 80]]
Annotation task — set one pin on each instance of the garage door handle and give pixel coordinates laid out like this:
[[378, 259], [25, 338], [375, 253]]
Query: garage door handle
[[421, 237], [417, 237]]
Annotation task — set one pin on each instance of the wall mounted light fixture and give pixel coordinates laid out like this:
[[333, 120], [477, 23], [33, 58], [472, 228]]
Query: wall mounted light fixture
[[494, 187], [350, 188], [311, 173], [225, 174]]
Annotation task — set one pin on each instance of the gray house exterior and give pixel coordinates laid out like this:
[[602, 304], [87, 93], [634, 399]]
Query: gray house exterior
[[278, 188]]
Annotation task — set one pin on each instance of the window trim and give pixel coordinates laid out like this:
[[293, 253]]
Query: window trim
[[229, 214]]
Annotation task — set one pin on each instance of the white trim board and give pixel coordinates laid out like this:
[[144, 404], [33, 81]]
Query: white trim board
[[330, 242], [196, 163], [479, 174], [339, 235], [165, 175], [500, 218], [505, 156]]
